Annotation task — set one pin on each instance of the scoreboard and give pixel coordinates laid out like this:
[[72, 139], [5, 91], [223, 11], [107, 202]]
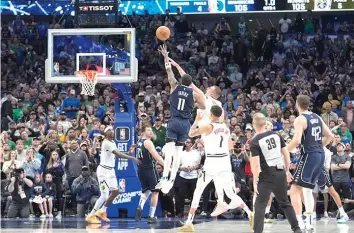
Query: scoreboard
[[103, 7], [237, 6]]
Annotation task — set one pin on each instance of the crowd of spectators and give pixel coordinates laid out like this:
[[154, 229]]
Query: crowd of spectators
[[49, 131]]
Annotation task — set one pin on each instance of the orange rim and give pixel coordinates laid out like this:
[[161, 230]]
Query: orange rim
[[89, 74]]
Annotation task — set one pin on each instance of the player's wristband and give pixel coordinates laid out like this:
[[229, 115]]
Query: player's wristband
[[168, 65]]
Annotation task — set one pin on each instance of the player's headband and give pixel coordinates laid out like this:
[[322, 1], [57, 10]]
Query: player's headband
[[108, 128]]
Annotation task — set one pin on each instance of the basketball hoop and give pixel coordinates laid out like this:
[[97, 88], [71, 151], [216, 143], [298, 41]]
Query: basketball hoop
[[88, 79]]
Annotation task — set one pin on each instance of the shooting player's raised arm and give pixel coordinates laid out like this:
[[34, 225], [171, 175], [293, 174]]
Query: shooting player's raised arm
[[171, 77]]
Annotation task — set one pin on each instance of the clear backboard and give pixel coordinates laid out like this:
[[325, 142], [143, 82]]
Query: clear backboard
[[110, 51]]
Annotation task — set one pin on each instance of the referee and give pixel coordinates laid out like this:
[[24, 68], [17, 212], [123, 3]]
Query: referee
[[270, 174]]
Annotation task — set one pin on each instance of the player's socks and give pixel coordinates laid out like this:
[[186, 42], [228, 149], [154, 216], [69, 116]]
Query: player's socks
[[176, 162], [152, 212], [341, 211], [267, 210], [247, 210], [170, 149], [309, 206], [190, 219], [104, 208], [175, 165], [100, 201], [300, 221], [143, 198]]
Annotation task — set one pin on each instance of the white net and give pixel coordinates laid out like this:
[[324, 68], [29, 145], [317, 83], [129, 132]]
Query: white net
[[88, 79]]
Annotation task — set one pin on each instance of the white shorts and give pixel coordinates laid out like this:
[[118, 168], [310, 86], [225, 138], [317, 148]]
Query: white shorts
[[107, 179], [219, 170], [316, 189]]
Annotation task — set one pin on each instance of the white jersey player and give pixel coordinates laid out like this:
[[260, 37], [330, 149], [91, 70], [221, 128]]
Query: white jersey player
[[209, 101], [217, 166], [324, 184], [107, 177]]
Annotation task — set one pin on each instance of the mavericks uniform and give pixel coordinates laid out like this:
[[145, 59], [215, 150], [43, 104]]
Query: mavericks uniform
[[312, 157], [324, 181], [105, 171], [147, 172], [182, 104]]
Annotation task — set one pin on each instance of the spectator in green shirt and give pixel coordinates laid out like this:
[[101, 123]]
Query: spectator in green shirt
[[27, 141], [160, 132], [17, 112], [344, 133], [6, 140]]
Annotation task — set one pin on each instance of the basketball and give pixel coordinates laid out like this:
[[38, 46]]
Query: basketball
[[163, 33]]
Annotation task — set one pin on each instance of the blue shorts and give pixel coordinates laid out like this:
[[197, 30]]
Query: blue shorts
[[178, 129], [309, 169], [324, 180], [148, 179]]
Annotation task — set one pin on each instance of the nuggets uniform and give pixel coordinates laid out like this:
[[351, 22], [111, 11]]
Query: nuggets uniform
[[208, 104], [105, 171], [147, 172], [312, 154], [217, 165], [181, 107]]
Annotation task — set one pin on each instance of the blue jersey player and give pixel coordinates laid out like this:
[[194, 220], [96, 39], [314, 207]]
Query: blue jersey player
[[313, 134], [147, 172], [181, 107]]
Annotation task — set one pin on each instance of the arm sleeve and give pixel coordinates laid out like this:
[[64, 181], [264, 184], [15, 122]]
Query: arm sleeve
[[255, 149], [282, 142]]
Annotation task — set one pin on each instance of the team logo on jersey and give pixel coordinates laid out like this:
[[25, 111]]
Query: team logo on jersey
[[121, 185], [103, 187]]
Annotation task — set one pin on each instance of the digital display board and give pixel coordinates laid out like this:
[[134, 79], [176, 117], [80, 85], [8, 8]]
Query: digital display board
[[49, 7]]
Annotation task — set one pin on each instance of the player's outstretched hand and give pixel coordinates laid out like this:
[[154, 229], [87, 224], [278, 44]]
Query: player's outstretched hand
[[132, 148], [172, 62], [163, 50]]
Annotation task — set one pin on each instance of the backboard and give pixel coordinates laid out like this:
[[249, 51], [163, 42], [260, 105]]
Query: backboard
[[110, 51]]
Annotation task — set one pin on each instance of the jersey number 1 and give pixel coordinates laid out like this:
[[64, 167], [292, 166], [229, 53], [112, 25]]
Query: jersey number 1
[[181, 103], [221, 140]]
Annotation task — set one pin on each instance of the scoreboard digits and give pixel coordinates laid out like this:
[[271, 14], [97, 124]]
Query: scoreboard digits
[[238, 6]]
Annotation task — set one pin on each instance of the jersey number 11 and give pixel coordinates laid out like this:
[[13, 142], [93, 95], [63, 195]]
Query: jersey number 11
[[181, 103]]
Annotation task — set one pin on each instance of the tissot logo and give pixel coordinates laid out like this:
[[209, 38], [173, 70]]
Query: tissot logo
[[96, 8]]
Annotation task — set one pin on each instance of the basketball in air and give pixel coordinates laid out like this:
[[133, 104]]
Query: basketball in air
[[163, 33]]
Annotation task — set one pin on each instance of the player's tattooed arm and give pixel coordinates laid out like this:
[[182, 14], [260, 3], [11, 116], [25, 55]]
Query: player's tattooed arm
[[196, 90], [179, 68], [170, 75]]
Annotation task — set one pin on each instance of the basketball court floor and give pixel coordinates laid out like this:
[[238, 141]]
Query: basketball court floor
[[76, 225]]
